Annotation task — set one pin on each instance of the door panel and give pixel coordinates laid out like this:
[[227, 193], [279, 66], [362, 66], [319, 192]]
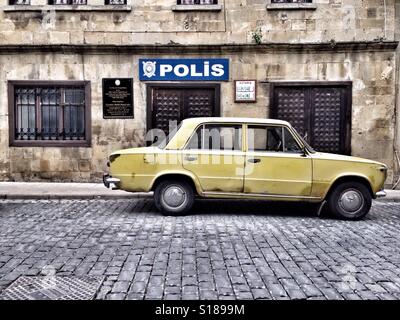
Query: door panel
[[217, 171], [167, 106], [319, 112], [214, 154], [293, 107], [327, 119], [177, 102], [199, 103], [275, 164], [278, 173]]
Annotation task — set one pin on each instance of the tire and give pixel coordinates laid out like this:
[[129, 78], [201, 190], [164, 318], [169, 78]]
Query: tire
[[173, 197], [350, 201]]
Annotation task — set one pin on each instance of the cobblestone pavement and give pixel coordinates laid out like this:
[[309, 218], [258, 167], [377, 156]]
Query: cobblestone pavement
[[223, 250]]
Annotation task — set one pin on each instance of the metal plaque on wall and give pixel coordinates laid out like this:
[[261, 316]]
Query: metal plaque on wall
[[118, 98]]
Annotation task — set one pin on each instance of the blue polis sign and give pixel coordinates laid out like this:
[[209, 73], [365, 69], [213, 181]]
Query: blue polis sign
[[184, 69]]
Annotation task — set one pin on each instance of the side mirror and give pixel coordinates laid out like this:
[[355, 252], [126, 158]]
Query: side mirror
[[304, 151]]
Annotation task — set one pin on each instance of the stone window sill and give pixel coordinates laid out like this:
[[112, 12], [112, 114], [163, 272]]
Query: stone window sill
[[198, 7], [66, 8], [291, 6]]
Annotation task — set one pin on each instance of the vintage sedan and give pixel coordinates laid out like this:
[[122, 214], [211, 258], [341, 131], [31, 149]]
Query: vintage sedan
[[245, 158]]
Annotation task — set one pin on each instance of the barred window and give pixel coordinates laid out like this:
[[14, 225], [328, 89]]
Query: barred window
[[291, 1], [197, 2], [51, 113], [19, 2], [67, 2], [115, 2]]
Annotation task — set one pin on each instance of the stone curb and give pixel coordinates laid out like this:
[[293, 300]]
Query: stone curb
[[71, 197]]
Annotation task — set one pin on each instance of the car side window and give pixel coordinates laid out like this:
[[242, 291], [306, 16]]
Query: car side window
[[291, 144], [271, 139], [195, 140], [216, 137], [261, 138]]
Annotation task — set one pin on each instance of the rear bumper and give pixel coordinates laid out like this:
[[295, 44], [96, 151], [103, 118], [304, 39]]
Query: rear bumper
[[380, 194], [110, 182]]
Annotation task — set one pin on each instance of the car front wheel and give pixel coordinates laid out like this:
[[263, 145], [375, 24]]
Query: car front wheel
[[173, 197], [350, 201]]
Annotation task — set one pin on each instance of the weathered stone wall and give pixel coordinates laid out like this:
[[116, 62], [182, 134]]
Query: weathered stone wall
[[154, 22], [397, 122], [372, 73], [78, 164]]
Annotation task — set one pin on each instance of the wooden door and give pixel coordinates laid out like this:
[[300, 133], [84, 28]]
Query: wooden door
[[319, 112], [175, 102]]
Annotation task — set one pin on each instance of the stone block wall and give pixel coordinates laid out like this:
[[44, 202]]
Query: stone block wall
[[373, 111], [156, 22]]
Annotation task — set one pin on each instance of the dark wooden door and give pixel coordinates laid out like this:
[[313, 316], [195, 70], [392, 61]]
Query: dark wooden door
[[177, 102], [320, 112], [167, 106]]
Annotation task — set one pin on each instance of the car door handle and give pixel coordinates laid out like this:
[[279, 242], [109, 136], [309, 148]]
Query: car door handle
[[254, 160], [190, 158]]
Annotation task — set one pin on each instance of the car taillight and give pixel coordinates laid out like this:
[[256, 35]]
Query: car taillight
[[113, 157]]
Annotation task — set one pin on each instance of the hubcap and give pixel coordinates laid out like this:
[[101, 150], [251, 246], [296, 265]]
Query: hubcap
[[351, 200], [174, 196]]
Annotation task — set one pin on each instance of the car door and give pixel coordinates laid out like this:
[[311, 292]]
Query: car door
[[275, 163], [215, 155]]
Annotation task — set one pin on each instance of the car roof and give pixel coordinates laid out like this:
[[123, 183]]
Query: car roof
[[235, 120]]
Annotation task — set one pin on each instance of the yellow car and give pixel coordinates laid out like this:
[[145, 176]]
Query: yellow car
[[245, 158]]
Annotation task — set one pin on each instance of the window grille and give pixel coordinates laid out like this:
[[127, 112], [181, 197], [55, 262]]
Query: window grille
[[49, 113]]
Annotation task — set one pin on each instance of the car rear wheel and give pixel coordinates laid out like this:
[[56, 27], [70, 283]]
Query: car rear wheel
[[350, 201], [173, 197]]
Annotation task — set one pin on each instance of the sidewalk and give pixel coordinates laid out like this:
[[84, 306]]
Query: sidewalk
[[53, 190], [64, 190]]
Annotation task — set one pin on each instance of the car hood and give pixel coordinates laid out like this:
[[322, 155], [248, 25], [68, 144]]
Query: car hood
[[339, 157]]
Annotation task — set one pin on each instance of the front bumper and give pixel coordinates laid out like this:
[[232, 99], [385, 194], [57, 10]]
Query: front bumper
[[380, 194], [110, 182]]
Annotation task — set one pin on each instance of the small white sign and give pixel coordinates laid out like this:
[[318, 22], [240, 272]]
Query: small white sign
[[245, 91]]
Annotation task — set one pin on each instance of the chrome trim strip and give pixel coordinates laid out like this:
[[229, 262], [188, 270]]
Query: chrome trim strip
[[211, 193], [113, 180], [380, 194]]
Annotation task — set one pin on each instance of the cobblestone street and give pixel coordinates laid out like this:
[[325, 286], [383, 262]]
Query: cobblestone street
[[223, 250]]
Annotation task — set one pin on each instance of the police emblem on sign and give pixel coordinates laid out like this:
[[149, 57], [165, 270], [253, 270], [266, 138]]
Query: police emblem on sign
[[149, 68]]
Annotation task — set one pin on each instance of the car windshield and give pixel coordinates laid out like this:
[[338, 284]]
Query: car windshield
[[163, 142]]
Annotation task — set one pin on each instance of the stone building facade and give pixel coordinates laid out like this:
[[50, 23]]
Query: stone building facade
[[329, 66]]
